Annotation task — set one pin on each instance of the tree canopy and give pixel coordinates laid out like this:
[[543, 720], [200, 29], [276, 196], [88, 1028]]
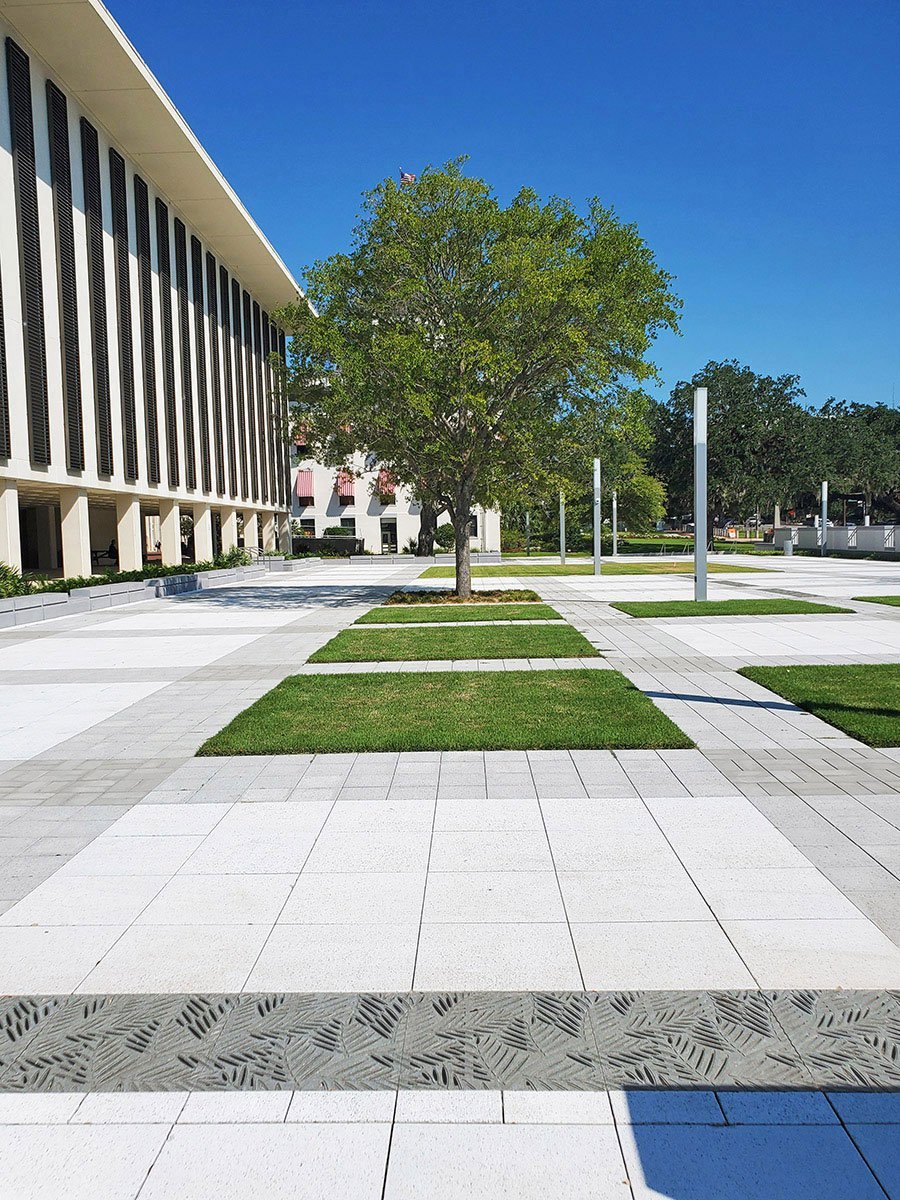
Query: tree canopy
[[464, 343], [767, 448]]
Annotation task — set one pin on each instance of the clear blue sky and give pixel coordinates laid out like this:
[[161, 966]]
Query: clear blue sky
[[755, 144]]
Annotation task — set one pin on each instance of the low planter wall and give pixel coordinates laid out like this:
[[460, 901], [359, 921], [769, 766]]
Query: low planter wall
[[289, 566], [859, 540], [46, 606]]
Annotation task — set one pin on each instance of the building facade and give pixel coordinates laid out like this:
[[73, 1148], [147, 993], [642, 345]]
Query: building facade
[[139, 417], [365, 501]]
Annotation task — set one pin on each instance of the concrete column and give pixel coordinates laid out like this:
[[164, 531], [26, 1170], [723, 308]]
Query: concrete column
[[170, 532], [777, 519], [203, 533], [10, 540], [700, 493], [268, 532], [129, 533], [285, 541], [598, 519], [251, 530], [229, 529], [76, 532]]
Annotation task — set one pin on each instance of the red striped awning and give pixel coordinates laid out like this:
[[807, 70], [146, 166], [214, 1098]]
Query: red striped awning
[[387, 485], [343, 485], [304, 487]]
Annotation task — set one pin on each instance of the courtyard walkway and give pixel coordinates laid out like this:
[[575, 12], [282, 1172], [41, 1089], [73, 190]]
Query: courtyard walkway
[[398, 975]]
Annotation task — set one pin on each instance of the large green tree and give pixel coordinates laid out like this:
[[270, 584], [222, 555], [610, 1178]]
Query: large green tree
[[761, 440], [458, 334], [858, 449]]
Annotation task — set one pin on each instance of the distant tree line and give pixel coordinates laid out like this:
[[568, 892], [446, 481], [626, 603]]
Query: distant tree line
[[768, 453]]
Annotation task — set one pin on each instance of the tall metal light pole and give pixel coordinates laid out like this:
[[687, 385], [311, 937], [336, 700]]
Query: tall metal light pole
[[824, 518], [598, 516], [615, 522], [700, 518], [562, 528]]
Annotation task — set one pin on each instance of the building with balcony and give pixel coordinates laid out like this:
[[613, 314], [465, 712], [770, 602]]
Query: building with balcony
[[138, 413]]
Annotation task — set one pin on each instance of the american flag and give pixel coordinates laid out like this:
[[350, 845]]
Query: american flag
[[406, 177]]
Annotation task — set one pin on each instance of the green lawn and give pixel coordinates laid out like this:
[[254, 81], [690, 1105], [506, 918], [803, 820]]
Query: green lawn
[[722, 608], [449, 710], [894, 601], [648, 544], [610, 567], [415, 645], [863, 701], [396, 614]]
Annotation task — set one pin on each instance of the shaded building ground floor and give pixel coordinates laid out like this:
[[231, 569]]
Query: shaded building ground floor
[[71, 531]]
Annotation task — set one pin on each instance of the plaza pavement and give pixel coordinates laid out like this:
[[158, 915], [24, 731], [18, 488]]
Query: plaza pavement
[[477, 956]]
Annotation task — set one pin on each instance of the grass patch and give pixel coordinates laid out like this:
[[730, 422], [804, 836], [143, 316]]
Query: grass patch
[[449, 710], [861, 700], [416, 645], [894, 601], [610, 567], [439, 613], [445, 596], [722, 608]]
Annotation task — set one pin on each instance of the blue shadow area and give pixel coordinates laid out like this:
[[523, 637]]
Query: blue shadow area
[[705, 1145]]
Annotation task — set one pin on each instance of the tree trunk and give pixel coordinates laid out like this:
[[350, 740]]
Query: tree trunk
[[461, 517], [427, 526]]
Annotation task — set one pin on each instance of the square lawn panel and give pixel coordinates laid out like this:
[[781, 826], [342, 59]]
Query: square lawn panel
[[449, 710], [417, 645], [861, 699], [723, 608], [399, 614]]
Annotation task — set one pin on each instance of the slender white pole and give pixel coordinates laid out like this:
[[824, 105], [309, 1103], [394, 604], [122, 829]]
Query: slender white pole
[[700, 518], [615, 527], [598, 517], [823, 541], [562, 528]]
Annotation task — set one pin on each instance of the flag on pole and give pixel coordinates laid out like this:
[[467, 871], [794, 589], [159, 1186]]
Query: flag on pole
[[406, 177]]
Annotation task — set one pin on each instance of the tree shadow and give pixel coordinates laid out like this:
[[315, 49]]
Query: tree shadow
[[703, 1145], [292, 596]]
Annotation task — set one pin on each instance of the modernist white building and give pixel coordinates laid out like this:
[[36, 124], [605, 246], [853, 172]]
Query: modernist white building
[[365, 501], [135, 332]]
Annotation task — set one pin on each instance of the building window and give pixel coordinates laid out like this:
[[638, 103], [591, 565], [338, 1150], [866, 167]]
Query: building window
[[307, 527], [18, 76], [184, 346], [349, 523], [200, 361], [93, 207], [122, 263], [145, 309], [61, 179], [212, 315], [473, 525], [238, 348], [164, 271]]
